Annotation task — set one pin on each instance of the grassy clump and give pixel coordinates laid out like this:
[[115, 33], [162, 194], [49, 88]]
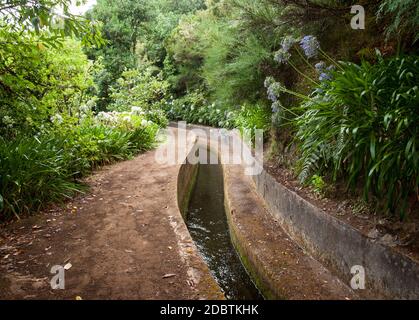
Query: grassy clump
[[38, 170], [362, 126]]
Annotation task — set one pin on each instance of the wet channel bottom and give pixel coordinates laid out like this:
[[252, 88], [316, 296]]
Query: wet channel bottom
[[207, 223]]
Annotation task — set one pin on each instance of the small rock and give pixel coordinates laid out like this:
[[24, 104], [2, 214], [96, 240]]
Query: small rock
[[373, 234], [382, 222], [388, 240]]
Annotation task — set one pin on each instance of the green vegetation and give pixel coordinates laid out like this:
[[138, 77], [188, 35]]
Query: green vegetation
[[195, 108], [368, 133], [51, 134], [340, 103], [39, 169]]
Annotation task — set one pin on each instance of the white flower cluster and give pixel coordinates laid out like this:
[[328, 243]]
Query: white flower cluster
[[8, 121], [137, 111], [115, 118], [87, 108], [57, 119]]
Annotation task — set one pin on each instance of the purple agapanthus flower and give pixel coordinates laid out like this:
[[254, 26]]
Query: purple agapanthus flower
[[324, 76], [276, 106], [321, 66], [268, 82], [310, 45], [273, 91], [272, 96], [287, 43], [282, 56]]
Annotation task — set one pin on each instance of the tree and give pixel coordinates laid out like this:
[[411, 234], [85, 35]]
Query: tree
[[37, 81], [51, 20], [121, 25], [134, 30]]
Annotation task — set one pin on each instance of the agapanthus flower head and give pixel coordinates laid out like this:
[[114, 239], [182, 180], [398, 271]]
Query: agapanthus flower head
[[268, 82], [57, 119], [8, 120], [144, 123], [288, 42], [310, 45], [325, 76], [321, 66], [276, 107], [282, 56], [274, 91], [137, 110], [85, 108]]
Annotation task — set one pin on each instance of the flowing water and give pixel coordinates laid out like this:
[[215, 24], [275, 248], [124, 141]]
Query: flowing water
[[207, 223]]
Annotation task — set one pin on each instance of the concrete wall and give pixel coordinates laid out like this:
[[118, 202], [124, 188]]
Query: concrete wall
[[340, 246], [186, 183]]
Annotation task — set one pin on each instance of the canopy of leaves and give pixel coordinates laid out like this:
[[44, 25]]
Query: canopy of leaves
[[51, 20]]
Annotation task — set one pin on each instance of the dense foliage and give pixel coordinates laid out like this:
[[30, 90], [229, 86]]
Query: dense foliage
[[195, 108], [50, 132], [363, 125], [78, 92], [37, 170]]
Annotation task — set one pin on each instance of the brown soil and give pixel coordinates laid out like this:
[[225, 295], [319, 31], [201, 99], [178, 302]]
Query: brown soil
[[125, 239], [403, 236]]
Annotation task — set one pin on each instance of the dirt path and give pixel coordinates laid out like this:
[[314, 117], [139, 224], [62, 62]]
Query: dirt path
[[124, 240]]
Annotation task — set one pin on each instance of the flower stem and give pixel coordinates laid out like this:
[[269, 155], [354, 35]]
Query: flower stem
[[305, 76], [305, 59], [330, 59], [296, 94]]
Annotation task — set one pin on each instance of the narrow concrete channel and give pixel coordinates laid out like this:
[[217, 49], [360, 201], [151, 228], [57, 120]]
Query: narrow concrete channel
[[207, 224]]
